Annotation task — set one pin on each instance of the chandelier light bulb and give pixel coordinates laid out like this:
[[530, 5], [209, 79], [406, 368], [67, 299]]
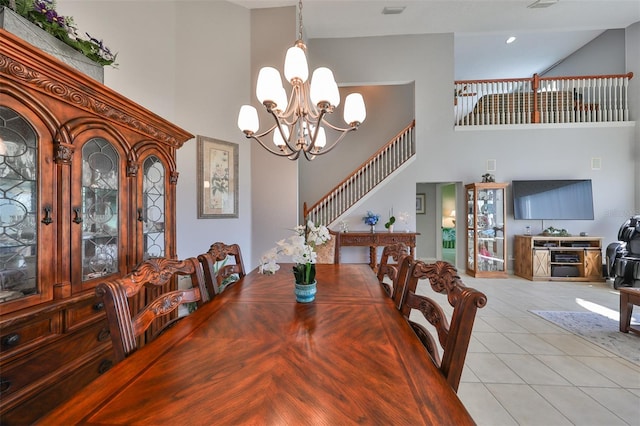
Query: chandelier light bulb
[[277, 137], [354, 109], [321, 139], [269, 85], [248, 120], [295, 65], [324, 87]]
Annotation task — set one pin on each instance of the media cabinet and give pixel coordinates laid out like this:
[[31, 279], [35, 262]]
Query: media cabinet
[[550, 258]]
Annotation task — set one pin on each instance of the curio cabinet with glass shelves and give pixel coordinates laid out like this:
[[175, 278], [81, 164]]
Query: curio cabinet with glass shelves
[[486, 242]]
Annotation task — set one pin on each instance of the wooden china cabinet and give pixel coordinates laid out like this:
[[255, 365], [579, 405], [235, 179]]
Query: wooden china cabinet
[[87, 190]]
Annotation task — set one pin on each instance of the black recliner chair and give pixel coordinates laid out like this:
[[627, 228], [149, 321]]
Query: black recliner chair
[[623, 256]]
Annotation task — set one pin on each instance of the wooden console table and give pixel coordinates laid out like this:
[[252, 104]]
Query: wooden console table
[[373, 240]]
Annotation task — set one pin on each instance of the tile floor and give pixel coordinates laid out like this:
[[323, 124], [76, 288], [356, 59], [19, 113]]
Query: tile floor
[[523, 370]]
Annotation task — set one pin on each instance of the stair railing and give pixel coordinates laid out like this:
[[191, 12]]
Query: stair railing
[[362, 180]]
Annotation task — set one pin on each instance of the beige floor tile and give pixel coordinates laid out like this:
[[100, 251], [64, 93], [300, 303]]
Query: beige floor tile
[[504, 325], [490, 369], [623, 403], [483, 406], [575, 371], [532, 371], [573, 345], [577, 406], [498, 343], [532, 344], [526, 405], [622, 372]]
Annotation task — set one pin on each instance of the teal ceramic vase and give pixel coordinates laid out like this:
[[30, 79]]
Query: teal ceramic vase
[[305, 293]]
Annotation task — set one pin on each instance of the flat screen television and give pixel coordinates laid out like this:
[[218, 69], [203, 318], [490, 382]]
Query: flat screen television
[[568, 199]]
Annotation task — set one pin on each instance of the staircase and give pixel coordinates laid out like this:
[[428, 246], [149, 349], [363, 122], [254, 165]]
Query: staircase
[[366, 177]]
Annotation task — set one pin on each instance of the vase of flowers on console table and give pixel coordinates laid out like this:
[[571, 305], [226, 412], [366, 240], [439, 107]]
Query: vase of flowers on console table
[[300, 247], [371, 219]]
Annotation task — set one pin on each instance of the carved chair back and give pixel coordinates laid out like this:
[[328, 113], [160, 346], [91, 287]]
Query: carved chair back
[[388, 266], [159, 300], [452, 336], [218, 273]]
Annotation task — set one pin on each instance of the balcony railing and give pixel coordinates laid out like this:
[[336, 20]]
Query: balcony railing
[[580, 99]]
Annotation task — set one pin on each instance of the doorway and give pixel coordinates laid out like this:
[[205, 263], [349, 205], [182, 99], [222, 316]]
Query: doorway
[[438, 239]]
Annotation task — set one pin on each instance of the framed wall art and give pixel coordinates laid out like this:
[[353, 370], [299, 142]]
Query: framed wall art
[[420, 200], [217, 178]]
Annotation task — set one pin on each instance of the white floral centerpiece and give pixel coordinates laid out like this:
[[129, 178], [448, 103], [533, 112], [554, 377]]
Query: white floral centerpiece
[[300, 247]]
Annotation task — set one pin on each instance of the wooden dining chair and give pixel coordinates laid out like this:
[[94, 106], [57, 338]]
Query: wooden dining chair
[[149, 284], [218, 272], [388, 265], [403, 268], [453, 336], [329, 251]]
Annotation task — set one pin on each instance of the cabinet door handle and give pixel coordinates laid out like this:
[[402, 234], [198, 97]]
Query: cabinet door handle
[[4, 385], [47, 216], [98, 306], [104, 335], [76, 215], [11, 340], [140, 216], [105, 365]]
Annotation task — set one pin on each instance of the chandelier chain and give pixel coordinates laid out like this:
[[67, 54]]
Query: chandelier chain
[[300, 20]]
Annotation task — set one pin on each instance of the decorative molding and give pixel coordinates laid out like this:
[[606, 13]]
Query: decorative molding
[[78, 96], [63, 153]]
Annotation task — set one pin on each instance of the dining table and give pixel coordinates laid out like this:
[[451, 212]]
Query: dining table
[[254, 356]]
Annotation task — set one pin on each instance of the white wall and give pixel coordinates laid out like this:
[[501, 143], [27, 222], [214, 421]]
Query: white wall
[[603, 55]]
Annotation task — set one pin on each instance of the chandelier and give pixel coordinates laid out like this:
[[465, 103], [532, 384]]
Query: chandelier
[[300, 119]]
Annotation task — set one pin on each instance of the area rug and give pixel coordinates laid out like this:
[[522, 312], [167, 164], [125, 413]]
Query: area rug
[[598, 329]]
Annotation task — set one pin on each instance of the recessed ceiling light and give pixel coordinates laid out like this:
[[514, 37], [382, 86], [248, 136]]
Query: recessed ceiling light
[[538, 4], [393, 10], [511, 40]]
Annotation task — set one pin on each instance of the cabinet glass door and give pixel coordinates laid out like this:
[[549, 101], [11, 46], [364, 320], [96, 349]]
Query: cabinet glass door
[[490, 229], [153, 214], [471, 233], [100, 209], [18, 206]]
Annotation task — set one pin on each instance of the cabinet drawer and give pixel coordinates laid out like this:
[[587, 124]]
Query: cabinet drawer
[[56, 392], [37, 331], [83, 312], [17, 374]]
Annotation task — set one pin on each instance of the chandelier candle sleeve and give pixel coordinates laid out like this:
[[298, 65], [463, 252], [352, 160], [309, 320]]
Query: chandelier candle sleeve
[[300, 119]]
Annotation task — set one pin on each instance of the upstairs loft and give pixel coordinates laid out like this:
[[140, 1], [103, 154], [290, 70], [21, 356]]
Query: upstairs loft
[[542, 100]]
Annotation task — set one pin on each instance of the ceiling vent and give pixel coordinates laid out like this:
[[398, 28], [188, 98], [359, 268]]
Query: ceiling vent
[[539, 4], [393, 10]]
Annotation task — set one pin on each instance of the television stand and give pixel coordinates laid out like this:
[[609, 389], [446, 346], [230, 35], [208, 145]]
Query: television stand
[[549, 258]]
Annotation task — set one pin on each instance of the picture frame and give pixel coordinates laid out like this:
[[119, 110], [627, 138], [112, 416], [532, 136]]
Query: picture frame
[[420, 206], [217, 178]]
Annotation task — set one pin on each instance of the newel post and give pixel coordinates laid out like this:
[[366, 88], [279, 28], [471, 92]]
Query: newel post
[[535, 118]]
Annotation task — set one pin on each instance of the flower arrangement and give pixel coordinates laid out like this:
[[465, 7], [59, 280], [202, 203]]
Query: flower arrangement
[[43, 14], [371, 218], [301, 248]]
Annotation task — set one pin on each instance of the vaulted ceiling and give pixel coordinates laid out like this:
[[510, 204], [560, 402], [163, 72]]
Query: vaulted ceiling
[[545, 35]]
